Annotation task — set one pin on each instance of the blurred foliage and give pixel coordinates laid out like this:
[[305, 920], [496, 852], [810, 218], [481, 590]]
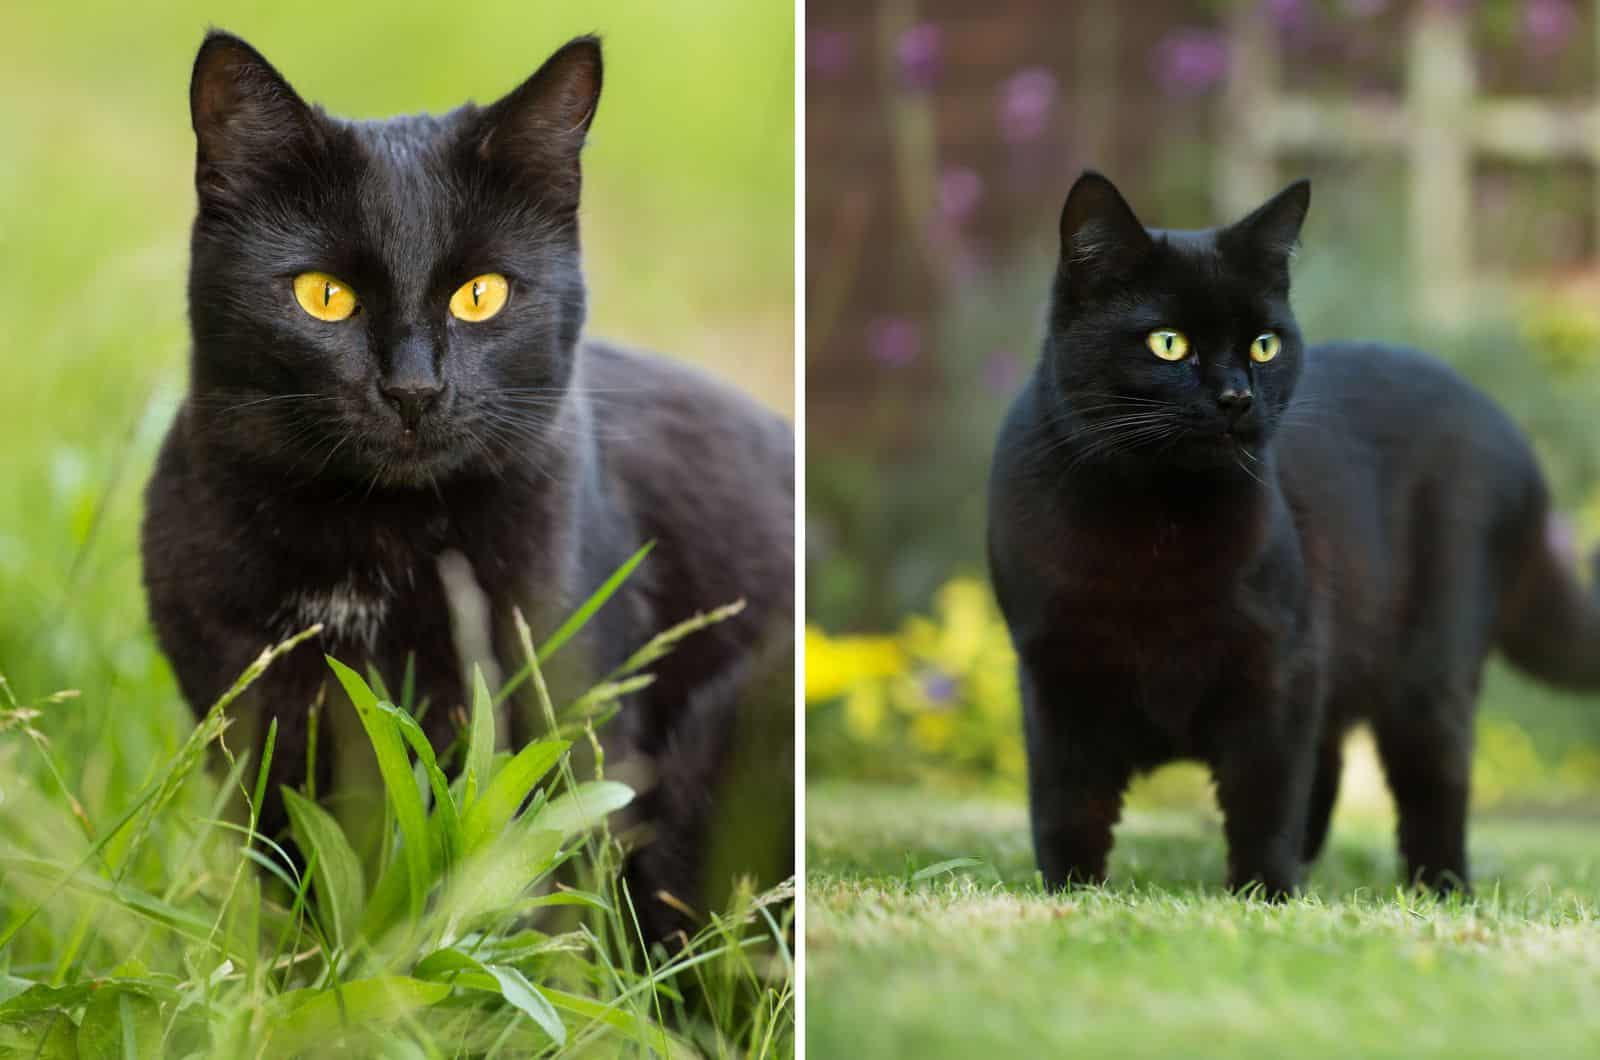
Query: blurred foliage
[[940, 694], [937, 702]]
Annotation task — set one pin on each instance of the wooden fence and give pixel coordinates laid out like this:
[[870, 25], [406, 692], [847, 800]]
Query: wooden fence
[[1441, 125]]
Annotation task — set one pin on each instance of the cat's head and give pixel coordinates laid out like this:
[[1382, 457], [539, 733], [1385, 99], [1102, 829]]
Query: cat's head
[[384, 302], [1173, 347]]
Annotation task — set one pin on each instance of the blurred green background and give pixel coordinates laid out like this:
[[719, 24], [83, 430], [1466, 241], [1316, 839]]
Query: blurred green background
[[688, 217], [941, 140]]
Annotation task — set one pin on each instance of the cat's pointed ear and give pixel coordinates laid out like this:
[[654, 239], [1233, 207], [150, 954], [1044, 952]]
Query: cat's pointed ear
[[245, 115], [1101, 238], [1272, 230], [539, 129]]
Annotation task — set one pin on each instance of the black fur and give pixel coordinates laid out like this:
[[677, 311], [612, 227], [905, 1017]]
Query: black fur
[[1241, 587], [291, 489]]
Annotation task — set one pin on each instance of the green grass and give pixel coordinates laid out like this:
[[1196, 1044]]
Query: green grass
[[487, 919], [977, 961]]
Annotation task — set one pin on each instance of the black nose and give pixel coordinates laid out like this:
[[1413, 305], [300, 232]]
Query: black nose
[[412, 400], [1235, 403]]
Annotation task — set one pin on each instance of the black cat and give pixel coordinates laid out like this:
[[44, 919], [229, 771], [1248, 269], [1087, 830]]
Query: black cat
[[1212, 542], [393, 428]]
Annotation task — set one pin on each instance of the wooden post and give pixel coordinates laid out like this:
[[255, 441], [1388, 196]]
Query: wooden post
[[1245, 168], [1594, 142], [1096, 56], [1440, 90]]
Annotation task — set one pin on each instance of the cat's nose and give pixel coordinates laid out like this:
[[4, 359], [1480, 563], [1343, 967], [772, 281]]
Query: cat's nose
[[412, 400], [1235, 403]]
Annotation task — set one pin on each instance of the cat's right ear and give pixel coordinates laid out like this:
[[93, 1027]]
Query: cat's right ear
[[1101, 238], [245, 116]]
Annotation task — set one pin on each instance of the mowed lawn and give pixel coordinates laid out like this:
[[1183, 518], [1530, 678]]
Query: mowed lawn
[[978, 962]]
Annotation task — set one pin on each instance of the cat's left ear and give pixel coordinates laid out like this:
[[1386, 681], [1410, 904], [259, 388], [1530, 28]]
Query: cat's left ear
[[539, 129], [1273, 228]]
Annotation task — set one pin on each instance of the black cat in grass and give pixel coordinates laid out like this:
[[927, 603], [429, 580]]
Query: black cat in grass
[[1213, 542], [395, 428]]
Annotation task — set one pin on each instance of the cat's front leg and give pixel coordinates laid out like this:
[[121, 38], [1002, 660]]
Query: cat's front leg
[[1075, 786], [1264, 767]]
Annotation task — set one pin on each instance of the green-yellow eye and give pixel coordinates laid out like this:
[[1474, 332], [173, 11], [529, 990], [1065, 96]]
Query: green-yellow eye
[[1167, 344], [480, 297], [324, 296], [1266, 347]]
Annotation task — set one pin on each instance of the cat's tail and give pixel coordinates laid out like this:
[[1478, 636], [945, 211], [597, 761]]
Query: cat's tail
[[1552, 622]]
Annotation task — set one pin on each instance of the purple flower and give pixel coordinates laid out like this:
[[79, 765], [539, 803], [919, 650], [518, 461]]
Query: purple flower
[[1365, 8], [1025, 104], [960, 190], [1288, 15], [938, 686], [1002, 371], [1562, 538], [1192, 61], [828, 52], [1546, 24], [894, 340], [919, 51]]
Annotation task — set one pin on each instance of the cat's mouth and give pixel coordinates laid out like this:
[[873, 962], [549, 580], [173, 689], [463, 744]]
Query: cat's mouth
[[1222, 432], [1246, 434], [412, 455]]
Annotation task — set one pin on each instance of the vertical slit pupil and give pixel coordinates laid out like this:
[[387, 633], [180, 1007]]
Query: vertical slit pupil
[[477, 289], [327, 293]]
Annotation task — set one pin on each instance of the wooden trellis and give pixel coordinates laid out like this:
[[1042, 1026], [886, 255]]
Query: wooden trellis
[[1440, 125]]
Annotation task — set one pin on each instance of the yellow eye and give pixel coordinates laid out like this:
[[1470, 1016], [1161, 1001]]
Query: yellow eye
[[1266, 347], [323, 296], [480, 297], [1168, 345]]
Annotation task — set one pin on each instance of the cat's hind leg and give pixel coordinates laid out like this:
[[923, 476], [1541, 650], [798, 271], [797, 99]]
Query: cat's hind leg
[[1427, 757], [1425, 731]]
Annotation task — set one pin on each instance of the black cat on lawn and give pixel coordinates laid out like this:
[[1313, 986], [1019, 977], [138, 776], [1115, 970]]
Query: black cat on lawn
[[393, 428], [1213, 542]]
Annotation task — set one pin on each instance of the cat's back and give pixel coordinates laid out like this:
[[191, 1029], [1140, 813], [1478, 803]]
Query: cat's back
[[656, 413], [1407, 480], [707, 471], [1388, 396], [1406, 416]]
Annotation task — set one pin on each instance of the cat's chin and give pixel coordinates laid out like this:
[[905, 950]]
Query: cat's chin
[[409, 460], [1217, 450]]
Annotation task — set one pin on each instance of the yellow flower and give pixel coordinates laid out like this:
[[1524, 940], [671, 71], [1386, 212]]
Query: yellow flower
[[931, 732], [864, 711], [835, 665]]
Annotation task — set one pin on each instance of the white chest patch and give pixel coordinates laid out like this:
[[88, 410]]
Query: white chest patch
[[345, 613]]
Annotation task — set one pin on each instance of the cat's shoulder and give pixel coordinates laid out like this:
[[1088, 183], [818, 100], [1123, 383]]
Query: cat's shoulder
[[651, 389], [1378, 361]]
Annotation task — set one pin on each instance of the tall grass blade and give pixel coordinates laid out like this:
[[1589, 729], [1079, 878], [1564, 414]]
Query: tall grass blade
[[577, 620], [480, 740], [515, 988], [395, 769], [341, 885], [583, 807], [446, 820], [507, 791]]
